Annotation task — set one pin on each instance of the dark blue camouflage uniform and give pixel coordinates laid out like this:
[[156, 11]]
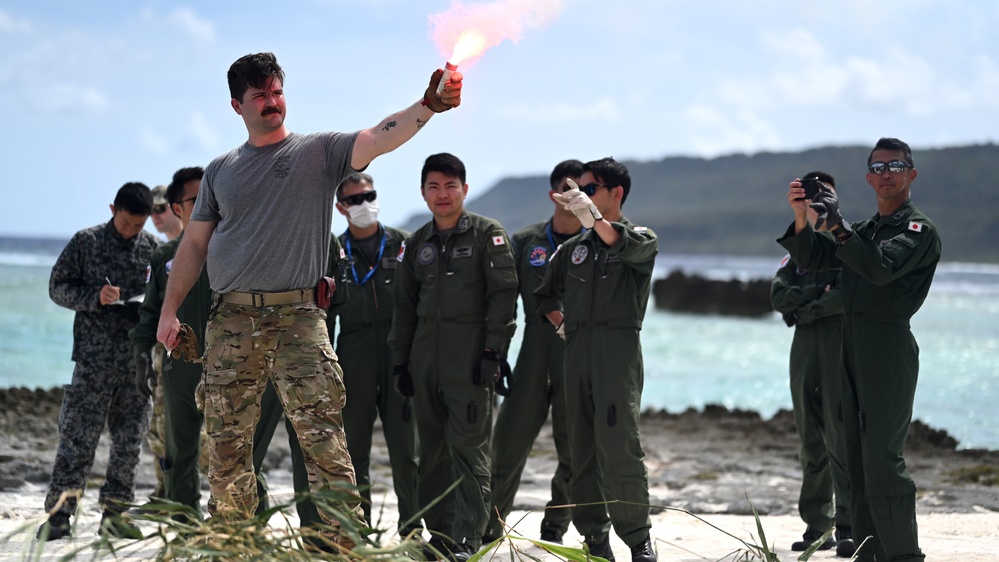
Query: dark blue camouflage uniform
[[103, 387]]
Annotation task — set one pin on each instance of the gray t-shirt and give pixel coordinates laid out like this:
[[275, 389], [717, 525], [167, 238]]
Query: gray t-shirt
[[274, 207]]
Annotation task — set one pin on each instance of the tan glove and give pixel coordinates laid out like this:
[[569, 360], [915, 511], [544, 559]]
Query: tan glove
[[187, 345]]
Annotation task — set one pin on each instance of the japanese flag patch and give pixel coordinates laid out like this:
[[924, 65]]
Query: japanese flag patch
[[498, 240], [402, 251], [916, 226], [149, 272], [784, 261]]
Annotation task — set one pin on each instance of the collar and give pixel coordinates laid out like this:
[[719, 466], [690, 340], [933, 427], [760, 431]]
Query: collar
[[464, 224], [898, 217], [114, 234]]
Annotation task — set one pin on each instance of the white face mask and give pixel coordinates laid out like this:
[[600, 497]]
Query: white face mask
[[363, 215]]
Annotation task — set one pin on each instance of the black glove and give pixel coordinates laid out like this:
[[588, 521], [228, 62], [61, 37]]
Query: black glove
[[145, 377], [403, 380], [790, 318], [489, 369], [504, 384], [826, 204]]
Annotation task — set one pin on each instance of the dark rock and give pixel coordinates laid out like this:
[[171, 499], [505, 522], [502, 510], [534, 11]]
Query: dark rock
[[695, 294]]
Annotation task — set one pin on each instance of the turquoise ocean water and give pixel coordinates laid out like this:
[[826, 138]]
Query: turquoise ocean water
[[690, 360]]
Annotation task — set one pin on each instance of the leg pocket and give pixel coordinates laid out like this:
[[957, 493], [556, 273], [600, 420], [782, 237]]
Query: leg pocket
[[220, 393], [315, 382]]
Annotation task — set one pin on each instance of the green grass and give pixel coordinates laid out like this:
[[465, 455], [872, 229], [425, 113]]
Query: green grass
[[979, 474]]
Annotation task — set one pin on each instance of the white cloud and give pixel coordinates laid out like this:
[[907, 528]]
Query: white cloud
[[713, 133], [797, 43], [153, 142], [71, 97], [194, 26], [10, 24], [602, 109], [203, 133]]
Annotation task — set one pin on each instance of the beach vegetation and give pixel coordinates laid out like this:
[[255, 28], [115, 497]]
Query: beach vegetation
[[986, 475]]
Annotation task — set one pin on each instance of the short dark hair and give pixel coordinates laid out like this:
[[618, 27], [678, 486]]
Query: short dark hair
[[135, 198], [175, 191], [252, 71], [445, 163], [564, 169], [891, 143], [823, 177], [357, 177], [612, 173]]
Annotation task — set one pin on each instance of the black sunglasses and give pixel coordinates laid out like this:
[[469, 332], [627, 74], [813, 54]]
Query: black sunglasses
[[895, 167], [192, 200], [591, 188], [359, 198], [159, 209]]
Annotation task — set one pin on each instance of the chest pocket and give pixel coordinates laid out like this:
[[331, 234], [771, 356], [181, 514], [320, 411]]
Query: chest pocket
[[503, 266], [611, 264], [461, 257]]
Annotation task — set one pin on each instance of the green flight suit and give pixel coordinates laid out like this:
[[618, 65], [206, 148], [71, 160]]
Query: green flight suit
[[603, 292], [536, 385], [180, 377], [888, 265], [813, 302], [365, 317], [455, 295]]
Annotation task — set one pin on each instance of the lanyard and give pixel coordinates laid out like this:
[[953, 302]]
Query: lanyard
[[372, 269]]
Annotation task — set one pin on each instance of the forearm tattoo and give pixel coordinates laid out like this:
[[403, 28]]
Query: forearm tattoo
[[389, 125]]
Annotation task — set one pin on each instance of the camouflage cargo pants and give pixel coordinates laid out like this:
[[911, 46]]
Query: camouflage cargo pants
[[156, 438], [98, 395], [290, 345]]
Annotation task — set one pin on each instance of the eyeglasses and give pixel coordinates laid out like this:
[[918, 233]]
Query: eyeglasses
[[895, 167], [359, 198], [159, 209], [591, 188], [191, 199]]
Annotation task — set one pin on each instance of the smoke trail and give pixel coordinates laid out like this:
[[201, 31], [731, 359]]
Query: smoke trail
[[464, 32]]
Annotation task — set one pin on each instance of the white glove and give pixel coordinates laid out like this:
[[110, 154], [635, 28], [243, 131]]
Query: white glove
[[560, 330], [580, 204]]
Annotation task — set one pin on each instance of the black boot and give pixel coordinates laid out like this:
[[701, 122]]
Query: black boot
[[55, 528], [643, 552], [809, 537], [114, 526], [601, 548], [845, 547]]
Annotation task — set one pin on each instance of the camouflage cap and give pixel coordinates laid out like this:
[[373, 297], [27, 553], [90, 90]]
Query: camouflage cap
[[159, 195]]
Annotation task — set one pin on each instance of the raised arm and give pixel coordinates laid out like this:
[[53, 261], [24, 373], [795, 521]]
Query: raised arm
[[401, 126]]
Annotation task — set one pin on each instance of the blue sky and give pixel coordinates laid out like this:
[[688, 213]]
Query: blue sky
[[99, 93]]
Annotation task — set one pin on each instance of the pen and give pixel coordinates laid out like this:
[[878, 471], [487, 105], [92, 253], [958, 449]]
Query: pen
[[109, 281]]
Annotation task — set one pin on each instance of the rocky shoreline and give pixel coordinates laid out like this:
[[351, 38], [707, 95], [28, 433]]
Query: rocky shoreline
[[705, 461]]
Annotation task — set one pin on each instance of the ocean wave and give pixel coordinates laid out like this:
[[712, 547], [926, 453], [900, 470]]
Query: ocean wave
[[27, 259]]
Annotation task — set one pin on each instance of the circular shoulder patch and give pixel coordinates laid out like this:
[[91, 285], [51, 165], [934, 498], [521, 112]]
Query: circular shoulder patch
[[538, 256], [579, 254], [426, 253]]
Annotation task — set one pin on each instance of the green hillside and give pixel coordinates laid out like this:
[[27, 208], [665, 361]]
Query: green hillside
[[736, 204]]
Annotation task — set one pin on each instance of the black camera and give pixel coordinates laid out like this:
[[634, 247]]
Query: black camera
[[812, 188]]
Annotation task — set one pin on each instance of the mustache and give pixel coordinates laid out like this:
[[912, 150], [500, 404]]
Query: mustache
[[269, 110]]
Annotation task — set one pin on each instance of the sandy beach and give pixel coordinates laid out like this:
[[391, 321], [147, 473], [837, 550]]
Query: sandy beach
[[706, 463]]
